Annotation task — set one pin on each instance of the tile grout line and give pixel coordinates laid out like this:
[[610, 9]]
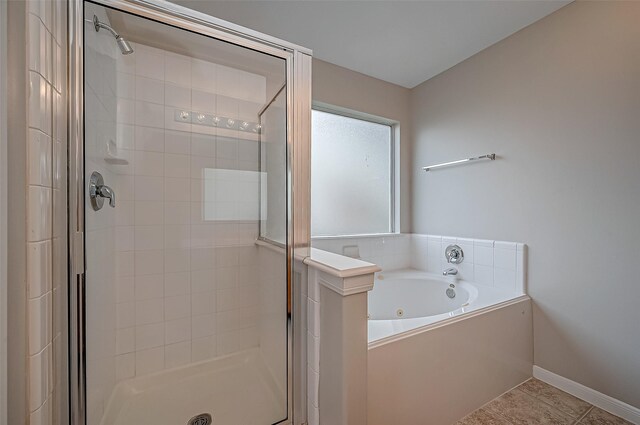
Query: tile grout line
[[580, 417], [584, 415]]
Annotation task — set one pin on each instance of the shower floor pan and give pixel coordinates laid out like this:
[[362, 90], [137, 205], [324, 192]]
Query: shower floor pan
[[235, 390]]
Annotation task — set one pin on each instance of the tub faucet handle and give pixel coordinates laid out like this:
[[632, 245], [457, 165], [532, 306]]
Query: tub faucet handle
[[450, 272]]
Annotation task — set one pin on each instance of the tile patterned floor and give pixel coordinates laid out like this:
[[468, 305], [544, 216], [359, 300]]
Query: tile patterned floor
[[535, 402]]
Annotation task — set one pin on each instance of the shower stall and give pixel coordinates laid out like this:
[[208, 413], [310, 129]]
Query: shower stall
[[188, 200]]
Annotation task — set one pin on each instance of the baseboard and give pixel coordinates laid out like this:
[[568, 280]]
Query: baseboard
[[603, 401]]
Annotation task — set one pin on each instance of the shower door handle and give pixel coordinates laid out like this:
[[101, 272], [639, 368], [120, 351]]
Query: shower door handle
[[98, 192]]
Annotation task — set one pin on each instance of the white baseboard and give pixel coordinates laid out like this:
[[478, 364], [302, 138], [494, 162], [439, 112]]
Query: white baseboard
[[603, 401]]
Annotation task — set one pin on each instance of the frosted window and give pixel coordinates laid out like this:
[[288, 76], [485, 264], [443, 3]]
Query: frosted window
[[350, 176]]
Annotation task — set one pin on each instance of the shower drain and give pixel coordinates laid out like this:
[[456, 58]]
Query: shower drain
[[201, 419]]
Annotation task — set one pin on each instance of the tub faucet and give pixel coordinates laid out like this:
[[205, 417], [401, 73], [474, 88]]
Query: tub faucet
[[450, 272]]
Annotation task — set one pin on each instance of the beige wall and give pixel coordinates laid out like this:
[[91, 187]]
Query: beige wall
[[337, 86], [559, 103]]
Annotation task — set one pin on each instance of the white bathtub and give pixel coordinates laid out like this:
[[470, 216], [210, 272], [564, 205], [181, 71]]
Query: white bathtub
[[409, 300]]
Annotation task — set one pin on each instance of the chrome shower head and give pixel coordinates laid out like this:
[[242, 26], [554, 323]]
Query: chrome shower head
[[123, 44]]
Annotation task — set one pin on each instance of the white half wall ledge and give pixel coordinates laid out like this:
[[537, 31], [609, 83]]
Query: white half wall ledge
[[338, 265], [603, 401]]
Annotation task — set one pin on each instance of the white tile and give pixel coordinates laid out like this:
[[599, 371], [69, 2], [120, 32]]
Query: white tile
[[149, 163], [149, 237], [125, 314], [149, 262], [176, 236], [176, 212], [521, 270], [505, 245], [124, 264], [178, 330], [149, 286], [504, 258], [176, 260], [203, 102], [149, 90], [467, 249], [203, 325], [313, 352], [40, 325], [149, 63], [313, 384], [203, 280], [39, 268], [203, 259], [39, 103], [39, 377], [39, 213], [149, 114], [203, 348], [203, 75], [149, 311], [313, 318], [149, 139], [483, 274], [483, 255], [177, 165], [39, 159], [177, 307], [203, 145], [125, 288], [125, 341], [177, 141], [203, 302], [149, 213], [177, 189], [503, 278], [149, 361], [177, 97], [126, 86], [176, 355], [124, 238], [149, 188], [149, 336], [126, 111], [125, 366], [177, 69], [176, 284], [125, 213]]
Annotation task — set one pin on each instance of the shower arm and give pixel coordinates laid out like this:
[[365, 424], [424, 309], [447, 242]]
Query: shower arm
[[97, 25]]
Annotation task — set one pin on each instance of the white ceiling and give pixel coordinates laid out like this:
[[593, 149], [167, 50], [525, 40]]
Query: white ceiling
[[403, 42]]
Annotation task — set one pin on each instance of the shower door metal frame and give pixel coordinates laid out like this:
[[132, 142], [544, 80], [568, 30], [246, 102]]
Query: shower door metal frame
[[298, 83]]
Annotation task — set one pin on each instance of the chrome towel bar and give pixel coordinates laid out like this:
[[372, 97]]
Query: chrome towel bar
[[490, 156]]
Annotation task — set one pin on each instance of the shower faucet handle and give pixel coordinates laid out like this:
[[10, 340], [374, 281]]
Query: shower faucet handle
[[98, 192], [454, 254]]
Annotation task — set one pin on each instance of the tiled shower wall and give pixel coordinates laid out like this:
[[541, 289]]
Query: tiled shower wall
[[187, 214], [46, 209]]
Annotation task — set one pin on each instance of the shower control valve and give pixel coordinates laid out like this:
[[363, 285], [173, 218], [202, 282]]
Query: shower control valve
[[454, 254]]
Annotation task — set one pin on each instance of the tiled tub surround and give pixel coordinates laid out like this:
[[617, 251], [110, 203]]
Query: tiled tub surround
[[486, 262]]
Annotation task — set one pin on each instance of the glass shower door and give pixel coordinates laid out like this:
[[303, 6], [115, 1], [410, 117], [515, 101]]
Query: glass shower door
[[186, 221]]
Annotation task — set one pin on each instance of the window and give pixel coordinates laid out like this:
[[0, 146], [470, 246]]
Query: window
[[351, 176]]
